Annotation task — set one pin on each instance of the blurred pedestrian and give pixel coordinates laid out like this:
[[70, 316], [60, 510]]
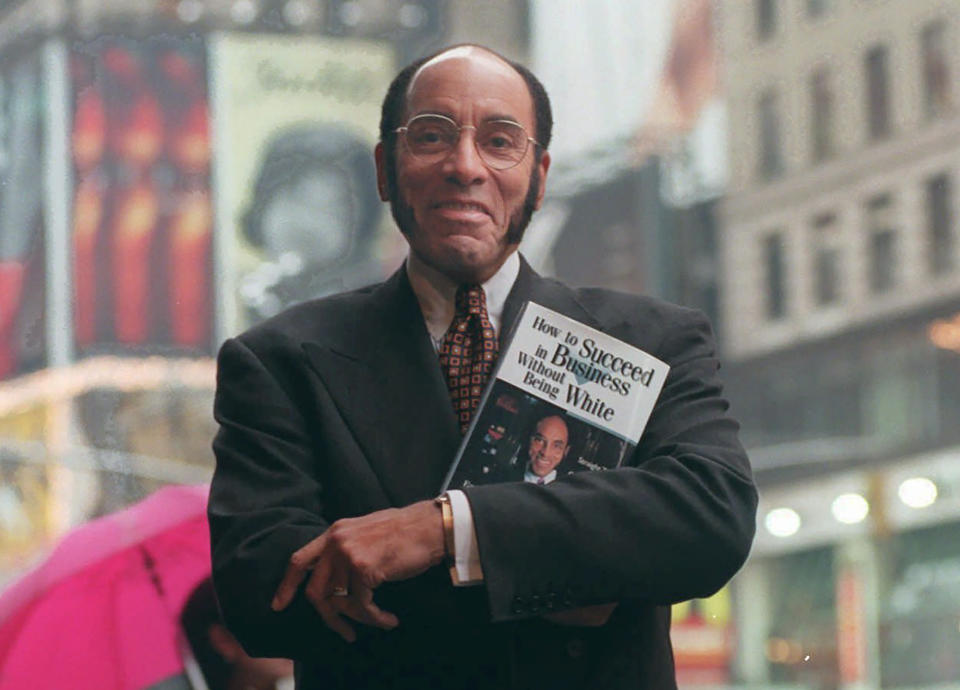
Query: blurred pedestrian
[[215, 660]]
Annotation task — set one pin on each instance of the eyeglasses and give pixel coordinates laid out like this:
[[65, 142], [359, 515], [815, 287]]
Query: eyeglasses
[[501, 144]]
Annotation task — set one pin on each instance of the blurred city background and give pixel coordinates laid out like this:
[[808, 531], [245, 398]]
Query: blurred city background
[[173, 171]]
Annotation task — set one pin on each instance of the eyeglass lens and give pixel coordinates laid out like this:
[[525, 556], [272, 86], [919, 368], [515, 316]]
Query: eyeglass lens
[[500, 143]]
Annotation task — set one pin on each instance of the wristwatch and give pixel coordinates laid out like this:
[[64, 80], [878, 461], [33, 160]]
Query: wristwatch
[[446, 514]]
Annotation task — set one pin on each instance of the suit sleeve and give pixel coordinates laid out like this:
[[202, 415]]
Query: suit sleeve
[[675, 524], [264, 505]]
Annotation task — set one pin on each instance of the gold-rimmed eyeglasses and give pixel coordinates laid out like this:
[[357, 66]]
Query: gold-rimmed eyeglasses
[[501, 144]]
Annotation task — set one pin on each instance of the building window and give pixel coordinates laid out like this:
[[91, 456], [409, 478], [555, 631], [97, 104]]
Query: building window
[[776, 279], [817, 8], [918, 597], [940, 224], [878, 92], [936, 71], [771, 157], [882, 244], [821, 103], [766, 18], [804, 612], [826, 260]]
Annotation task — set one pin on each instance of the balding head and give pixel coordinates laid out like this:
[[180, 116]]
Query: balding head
[[393, 110]]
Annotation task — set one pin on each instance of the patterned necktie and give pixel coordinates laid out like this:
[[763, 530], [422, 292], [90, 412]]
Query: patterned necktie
[[468, 352]]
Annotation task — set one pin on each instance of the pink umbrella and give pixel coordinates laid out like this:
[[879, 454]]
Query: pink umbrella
[[101, 613]]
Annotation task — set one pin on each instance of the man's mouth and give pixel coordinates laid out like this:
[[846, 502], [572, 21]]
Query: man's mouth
[[463, 210]]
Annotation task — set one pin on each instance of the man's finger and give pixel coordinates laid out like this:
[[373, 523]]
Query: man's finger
[[319, 587], [331, 608], [301, 562], [361, 607], [332, 618]]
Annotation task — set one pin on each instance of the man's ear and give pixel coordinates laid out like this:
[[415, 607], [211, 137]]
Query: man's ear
[[378, 158], [544, 164]]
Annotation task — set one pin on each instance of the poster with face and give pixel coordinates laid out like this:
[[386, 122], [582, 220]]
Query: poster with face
[[22, 270], [297, 122], [142, 216]]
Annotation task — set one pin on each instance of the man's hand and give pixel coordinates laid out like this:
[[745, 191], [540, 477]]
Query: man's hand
[[357, 555]]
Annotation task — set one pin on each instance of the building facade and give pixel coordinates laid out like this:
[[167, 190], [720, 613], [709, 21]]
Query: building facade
[[841, 295]]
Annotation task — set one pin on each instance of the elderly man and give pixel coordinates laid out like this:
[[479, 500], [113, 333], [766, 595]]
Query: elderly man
[[336, 429]]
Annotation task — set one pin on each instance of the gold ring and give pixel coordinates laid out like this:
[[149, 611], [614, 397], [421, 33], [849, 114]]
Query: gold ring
[[339, 592]]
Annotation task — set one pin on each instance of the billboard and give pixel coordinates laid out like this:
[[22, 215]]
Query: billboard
[[296, 121], [22, 269], [142, 222]]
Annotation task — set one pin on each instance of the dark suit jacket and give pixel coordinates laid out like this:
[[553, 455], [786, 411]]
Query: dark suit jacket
[[337, 408]]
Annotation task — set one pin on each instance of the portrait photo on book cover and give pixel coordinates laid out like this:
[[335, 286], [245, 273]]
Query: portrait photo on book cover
[[521, 437]]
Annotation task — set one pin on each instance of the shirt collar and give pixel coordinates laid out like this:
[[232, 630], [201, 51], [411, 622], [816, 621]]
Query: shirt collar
[[435, 293], [531, 477]]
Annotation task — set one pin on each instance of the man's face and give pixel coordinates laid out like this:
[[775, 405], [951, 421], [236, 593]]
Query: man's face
[[461, 217], [548, 445]]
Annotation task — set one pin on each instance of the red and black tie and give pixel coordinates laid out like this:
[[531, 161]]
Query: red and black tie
[[468, 352]]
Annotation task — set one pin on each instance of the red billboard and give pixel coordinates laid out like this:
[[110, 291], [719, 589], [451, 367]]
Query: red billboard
[[142, 217]]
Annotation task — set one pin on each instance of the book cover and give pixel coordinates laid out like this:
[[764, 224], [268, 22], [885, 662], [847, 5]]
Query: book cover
[[564, 397]]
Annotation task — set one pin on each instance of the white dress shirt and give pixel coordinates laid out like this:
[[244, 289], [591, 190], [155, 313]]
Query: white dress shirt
[[436, 295], [531, 477]]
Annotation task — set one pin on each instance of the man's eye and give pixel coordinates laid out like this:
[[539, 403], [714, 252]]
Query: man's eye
[[499, 142], [502, 137], [428, 136]]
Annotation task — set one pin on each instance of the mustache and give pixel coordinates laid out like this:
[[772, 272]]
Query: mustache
[[403, 216]]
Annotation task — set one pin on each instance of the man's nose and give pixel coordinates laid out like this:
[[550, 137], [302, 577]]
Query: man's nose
[[463, 164]]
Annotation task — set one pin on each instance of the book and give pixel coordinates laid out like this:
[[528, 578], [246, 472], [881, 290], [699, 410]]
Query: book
[[563, 398]]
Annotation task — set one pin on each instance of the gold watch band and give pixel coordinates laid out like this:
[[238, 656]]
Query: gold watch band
[[446, 514]]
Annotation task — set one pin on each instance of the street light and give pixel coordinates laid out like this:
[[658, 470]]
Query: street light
[[917, 492], [189, 11], [243, 11], [782, 522], [850, 508]]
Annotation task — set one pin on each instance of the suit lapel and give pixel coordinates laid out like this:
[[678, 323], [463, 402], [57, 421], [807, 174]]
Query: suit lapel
[[382, 372], [385, 379], [546, 292]]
